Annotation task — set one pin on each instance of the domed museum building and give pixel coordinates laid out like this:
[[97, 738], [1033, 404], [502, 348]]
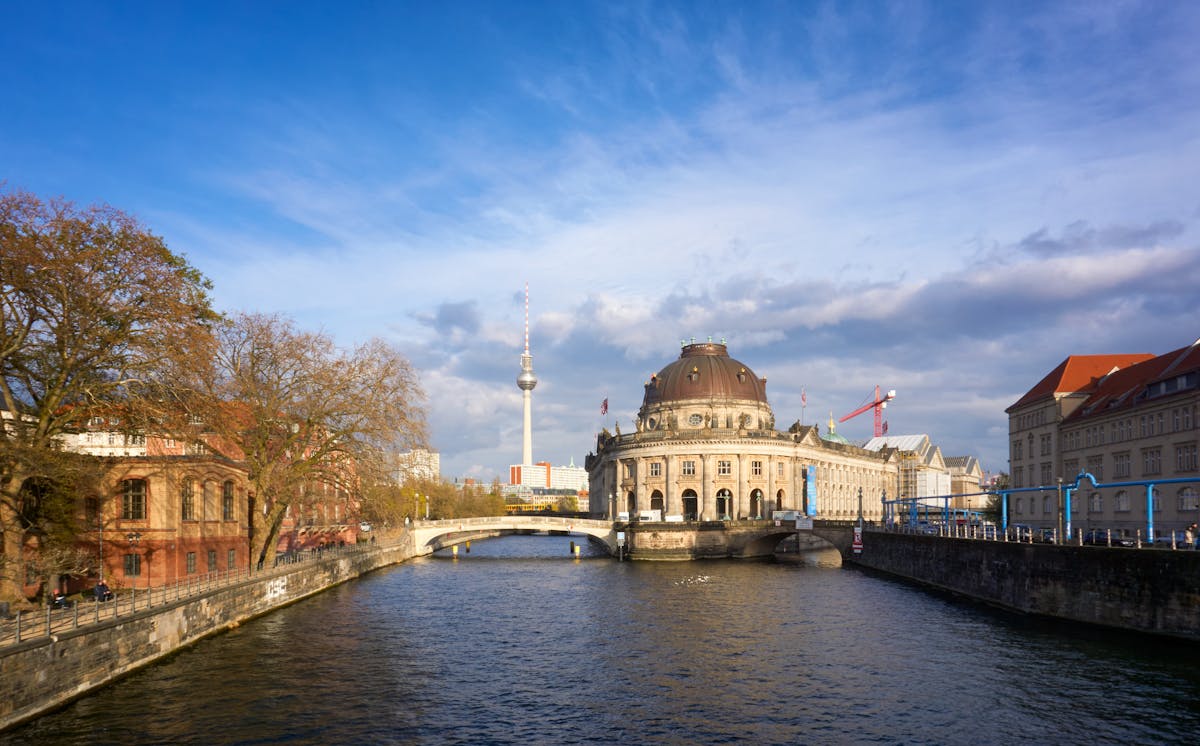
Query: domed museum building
[[705, 448]]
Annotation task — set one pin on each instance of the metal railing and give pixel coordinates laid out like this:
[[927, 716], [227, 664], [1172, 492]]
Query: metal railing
[[25, 625], [1025, 535]]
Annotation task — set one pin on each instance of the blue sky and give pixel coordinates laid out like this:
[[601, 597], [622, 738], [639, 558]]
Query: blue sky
[[941, 198]]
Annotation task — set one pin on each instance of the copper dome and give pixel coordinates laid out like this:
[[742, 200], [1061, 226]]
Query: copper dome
[[704, 370]]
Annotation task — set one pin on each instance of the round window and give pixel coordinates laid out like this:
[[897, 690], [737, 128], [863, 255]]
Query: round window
[[695, 420]]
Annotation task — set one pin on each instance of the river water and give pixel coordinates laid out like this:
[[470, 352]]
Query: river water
[[516, 643]]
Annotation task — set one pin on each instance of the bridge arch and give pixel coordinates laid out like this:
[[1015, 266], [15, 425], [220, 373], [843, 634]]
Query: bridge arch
[[429, 536]]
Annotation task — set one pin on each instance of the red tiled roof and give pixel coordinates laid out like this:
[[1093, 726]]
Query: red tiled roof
[[1078, 373], [1122, 388]]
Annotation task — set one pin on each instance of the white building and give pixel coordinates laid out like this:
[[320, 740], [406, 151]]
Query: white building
[[418, 465]]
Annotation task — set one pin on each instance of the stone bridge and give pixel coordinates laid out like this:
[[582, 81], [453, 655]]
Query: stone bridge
[[669, 541], [430, 536]]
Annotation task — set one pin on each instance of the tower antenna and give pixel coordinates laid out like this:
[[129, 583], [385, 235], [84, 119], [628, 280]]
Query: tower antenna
[[526, 381]]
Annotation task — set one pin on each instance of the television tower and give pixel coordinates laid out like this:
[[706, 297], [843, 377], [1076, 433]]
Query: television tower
[[526, 381]]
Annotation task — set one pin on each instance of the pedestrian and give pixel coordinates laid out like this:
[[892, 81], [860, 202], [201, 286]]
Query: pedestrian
[[1189, 536]]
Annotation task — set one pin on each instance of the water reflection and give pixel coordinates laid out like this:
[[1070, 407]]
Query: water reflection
[[517, 642]]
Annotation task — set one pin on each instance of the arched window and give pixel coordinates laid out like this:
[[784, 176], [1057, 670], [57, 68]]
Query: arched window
[[1095, 503], [724, 503], [656, 500], [690, 505], [133, 500], [756, 504], [1189, 499], [1122, 505]]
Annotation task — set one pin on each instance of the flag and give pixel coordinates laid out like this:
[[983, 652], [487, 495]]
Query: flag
[[884, 429], [803, 398], [604, 406]]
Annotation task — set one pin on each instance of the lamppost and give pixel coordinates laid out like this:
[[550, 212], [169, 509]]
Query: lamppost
[[100, 525], [1061, 513]]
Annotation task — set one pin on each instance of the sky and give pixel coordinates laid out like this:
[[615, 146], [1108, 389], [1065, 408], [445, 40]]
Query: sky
[[942, 198]]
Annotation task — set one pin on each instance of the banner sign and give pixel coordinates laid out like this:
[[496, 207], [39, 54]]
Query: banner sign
[[812, 490]]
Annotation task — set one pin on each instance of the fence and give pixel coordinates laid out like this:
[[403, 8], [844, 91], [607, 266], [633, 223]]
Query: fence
[[30, 625], [1026, 535]]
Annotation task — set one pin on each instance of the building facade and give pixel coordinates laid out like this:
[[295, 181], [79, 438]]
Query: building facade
[[1120, 418], [705, 447]]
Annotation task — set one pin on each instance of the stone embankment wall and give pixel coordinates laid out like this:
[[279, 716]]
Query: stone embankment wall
[[1148, 590], [44, 673]]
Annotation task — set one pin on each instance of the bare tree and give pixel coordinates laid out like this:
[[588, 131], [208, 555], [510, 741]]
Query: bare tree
[[299, 411], [91, 305]]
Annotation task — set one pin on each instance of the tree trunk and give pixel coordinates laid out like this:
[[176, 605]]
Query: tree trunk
[[266, 539]]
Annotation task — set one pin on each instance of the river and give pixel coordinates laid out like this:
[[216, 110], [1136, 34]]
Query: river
[[516, 643]]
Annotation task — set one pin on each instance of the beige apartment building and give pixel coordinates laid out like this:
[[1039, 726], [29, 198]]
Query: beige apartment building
[[1120, 418]]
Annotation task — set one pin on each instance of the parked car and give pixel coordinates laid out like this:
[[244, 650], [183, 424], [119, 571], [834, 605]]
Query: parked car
[[1020, 532], [364, 526], [1103, 537], [1046, 536]]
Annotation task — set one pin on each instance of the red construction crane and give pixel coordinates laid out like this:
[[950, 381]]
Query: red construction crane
[[879, 404]]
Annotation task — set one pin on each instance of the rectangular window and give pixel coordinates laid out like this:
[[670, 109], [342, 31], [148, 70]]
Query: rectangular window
[[724, 468], [191, 563], [187, 500], [231, 559], [133, 500], [1095, 466], [779, 468], [1151, 461], [689, 468], [655, 469], [1142, 429], [756, 468], [1095, 503], [628, 470], [133, 565], [1047, 474], [212, 560], [1185, 458], [227, 501], [1122, 465], [1071, 467]]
